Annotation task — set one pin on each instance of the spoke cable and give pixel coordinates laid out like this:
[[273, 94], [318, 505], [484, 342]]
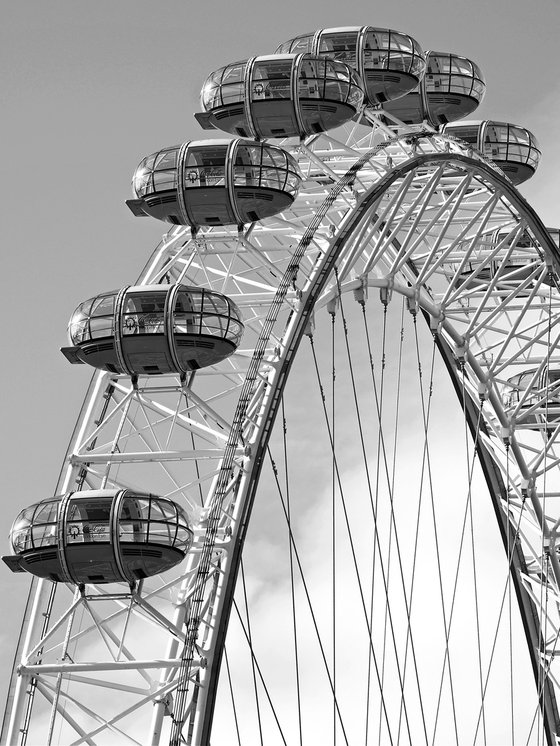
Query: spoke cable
[[434, 521], [379, 408], [333, 519], [350, 539], [473, 555], [228, 671], [291, 560], [258, 670], [510, 630], [306, 591], [391, 481], [250, 641], [384, 570]]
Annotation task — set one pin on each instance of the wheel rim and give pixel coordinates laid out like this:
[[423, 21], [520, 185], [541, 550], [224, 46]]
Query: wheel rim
[[403, 215]]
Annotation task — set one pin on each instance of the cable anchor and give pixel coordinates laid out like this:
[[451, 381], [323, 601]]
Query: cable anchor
[[361, 292], [436, 322], [412, 303], [386, 292], [310, 326], [461, 352], [332, 305], [505, 433]]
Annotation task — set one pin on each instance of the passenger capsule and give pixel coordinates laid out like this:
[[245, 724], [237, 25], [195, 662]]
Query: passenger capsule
[[514, 149], [538, 392], [509, 268], [389, 62], [285, 95], [451, 89], [154, 329], [99, 536], [215, 182]]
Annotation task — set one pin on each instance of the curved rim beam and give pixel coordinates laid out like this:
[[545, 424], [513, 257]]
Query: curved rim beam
[[276, 386]]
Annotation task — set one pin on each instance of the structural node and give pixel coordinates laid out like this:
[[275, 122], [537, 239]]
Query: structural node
[[99, 536], [451, 89], [154, 329], [287, 95], [215, 182], [389, 62], [513, 148]]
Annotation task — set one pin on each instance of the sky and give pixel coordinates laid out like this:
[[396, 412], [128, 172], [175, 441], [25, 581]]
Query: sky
[[89, 89]]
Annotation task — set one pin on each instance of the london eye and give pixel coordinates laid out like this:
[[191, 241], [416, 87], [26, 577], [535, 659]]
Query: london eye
[[260, 535]]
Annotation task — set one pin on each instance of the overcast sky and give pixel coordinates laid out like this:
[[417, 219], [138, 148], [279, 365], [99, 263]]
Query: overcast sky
[[90, 88]]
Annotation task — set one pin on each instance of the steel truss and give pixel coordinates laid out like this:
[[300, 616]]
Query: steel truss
[[413, 214]]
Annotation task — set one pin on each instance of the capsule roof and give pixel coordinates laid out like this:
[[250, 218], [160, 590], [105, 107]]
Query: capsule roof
[[390, 63], [215, 182], [154, 330], [286, 95], [99, 536]]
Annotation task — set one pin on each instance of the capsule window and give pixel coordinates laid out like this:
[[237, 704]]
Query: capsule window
[[205, 166], [376, 50], [164, 181], [103, 305], [99, 328], [167, 159], [235, 332], [246, 169], [47, 512], [184, 320], [88, 522], [44, 535], [142, 180], [271, 79], [143, 313], [167, 508], [468, 133], [133, 520], [311, 79], [233, 73], [340, 46], [162, 533], [183, 537]]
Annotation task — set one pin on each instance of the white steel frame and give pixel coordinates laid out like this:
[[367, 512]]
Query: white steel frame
[[396, 210]]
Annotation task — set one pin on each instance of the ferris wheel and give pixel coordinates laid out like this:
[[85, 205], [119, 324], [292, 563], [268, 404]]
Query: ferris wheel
[[312, 495]]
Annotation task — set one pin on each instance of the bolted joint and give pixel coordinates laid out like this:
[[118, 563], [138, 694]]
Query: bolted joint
[[167, 701]]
